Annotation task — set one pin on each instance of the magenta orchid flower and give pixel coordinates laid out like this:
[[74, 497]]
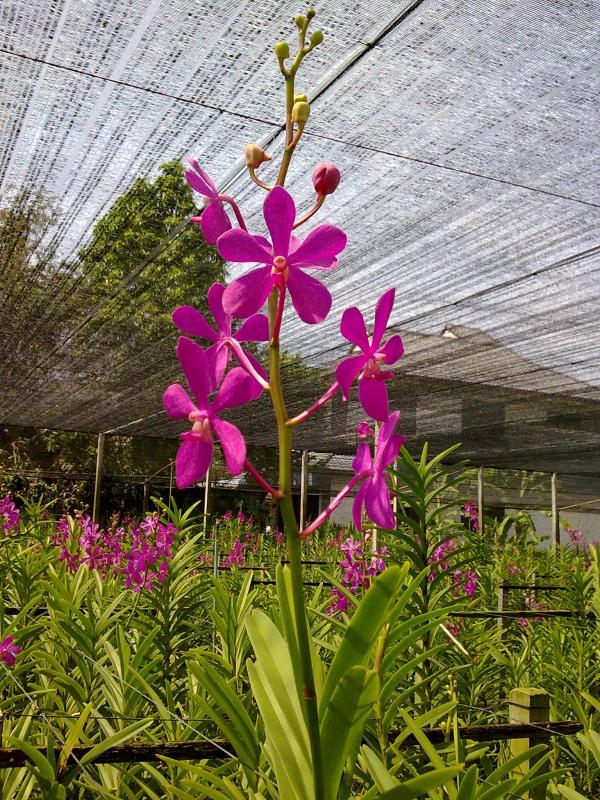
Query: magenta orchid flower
[[213, 220], [284, 261], [372, 391], [9, 651], [255, 329], [374, 493], [196, 451]]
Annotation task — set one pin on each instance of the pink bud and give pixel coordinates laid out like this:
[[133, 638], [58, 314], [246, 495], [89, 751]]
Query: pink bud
[[325, 177], [364, 430]]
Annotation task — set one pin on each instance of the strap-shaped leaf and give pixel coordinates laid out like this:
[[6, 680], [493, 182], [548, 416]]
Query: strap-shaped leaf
[[272, 680], [343, 723], [363, 629]]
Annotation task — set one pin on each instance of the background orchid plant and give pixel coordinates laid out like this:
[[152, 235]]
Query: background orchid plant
[[285, 262]]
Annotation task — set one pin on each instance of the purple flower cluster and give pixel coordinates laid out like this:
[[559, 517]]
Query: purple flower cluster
[[471, 513], [358, 568], [141, 552], [9, 514], [236, 557], [575, 535], [464, 582], [9, 651]]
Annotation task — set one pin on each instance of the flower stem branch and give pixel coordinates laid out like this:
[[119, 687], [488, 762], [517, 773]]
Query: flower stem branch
[[254, 177], [286, 507], [245, 362], [251, 469], [327, 512], [279, 315], [236, 209], [315, 406], [311, 212]]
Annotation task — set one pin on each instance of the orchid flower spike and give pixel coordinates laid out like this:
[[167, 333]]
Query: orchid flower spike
[[255, 329], [213, 220], [372, 391], [374, 493], [284, 261], [196, 451]]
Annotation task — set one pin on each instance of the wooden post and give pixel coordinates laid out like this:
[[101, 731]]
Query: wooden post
[[555, 515], [531, 706], [501, 604], [98, 482], [303, 489], [480, 500], [146, 500], [206, 499]]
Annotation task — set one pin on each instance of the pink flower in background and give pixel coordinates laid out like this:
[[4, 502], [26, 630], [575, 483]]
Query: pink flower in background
[[471, 512], [358, 569], [196, 451], [284, 262], [213, 220], [191, 321], [372, 391], [9, 651], [373, 493], [9, 514]]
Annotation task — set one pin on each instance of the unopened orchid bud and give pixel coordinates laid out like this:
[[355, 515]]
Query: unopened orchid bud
[[316, 38], [325, 178], [300, 98], [310, 13], [300, 111], [300, 20], [282, 50], [255, 155]]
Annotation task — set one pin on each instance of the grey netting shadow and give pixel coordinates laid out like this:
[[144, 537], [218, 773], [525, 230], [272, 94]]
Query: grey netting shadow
[[467, 140]]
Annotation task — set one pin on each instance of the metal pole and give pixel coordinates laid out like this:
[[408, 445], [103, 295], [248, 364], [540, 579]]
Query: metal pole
[[374, 530], [303, 489], [98, 482], [206, 496], [555, 514], [480, 500], [146, 499]]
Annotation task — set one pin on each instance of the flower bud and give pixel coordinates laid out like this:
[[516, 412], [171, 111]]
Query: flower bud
[[300, 98], [316, 38], [255, 155], [282, 50], [325, 178], [310, 13], [300, 111], [300, 20]]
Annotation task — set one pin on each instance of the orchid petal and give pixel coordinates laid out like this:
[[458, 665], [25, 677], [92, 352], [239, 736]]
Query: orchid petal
[[214, 221], [233, 444], [377, 504], [388, 444], [237, 389], [347, 370], [196, 369], [393, 349], [191, 321], [192, 461], [352, 327], [279, 212], [373, 397], [362, 460], [215, 303], [176, 402], [200, 181], [217, 356], [324, 242], [254, 329], [310, 298], [357, 505], [261, 371], [244, 296], [240, 246], [383, 309]]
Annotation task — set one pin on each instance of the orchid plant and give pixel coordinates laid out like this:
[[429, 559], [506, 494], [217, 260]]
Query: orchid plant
[[285, 262]]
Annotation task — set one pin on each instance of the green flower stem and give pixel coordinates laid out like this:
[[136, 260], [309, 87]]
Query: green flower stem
[[289, 129], [290, 525]]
